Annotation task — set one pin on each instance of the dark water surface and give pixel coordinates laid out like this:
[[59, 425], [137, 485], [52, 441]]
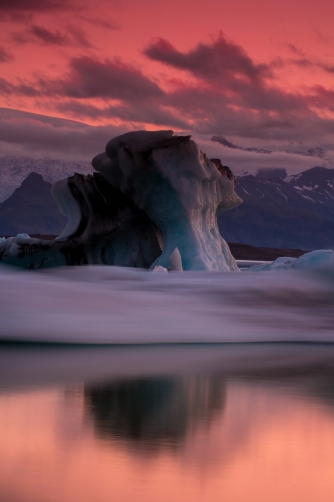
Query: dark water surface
[[247, 423]]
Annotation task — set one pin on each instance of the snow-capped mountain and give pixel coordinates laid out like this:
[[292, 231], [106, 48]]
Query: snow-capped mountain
[[312, 190], [13, 170], [291, 211]]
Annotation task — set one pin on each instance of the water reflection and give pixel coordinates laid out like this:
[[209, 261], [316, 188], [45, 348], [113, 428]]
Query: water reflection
[[242, 435], [153, 413]]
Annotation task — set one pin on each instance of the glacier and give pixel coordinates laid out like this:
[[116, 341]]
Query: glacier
[[153, 192]]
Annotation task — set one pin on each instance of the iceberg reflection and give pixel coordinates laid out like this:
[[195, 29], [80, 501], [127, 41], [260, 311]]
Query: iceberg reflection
[[154, 413]]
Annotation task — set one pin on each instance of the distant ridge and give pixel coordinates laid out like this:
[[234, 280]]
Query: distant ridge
[[278, 212], [13, 170], [283, 212], [31, 209]]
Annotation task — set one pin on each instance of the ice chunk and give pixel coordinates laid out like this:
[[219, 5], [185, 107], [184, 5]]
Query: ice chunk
[[175, 261], [159, 268], [23, 236], [314, 259]]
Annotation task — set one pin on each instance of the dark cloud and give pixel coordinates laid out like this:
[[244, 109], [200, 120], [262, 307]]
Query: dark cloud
[[5, 56], [235, 87], [326, 67], [311, 152], [49, 37], [34, 134], [72, 36], [6, 87], [78, 36], [146, 113], [231, 96], [295, 50], [104, 23], [32, 5], [322, 98], [304, 62], [321, 37], [221, 60], [223, 141], [20, 89], [10, 114], [239, 97], [91, 78]]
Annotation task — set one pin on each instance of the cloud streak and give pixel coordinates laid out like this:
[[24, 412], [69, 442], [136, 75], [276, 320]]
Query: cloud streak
[[91, 78], [5, 56], [71, 36], [32, 134], [8, 6]]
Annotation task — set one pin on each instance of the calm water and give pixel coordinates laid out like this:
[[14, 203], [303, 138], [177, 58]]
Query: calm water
[[167, 424]]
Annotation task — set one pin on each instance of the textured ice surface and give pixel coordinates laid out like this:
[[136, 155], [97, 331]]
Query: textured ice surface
[[318, 258], [179, 189], [121, 305], [68, 206], [104, 227]]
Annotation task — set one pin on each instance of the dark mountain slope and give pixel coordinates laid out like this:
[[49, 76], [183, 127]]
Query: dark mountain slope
[[295, 212], [31, 209]]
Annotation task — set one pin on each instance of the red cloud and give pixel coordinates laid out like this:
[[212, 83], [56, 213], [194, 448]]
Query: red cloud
[[5, 56], [32, 5], [91, 78]]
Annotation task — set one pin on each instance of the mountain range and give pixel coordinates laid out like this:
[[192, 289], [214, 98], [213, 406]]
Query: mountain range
[[279, 211], [289, 211], [13, 170]]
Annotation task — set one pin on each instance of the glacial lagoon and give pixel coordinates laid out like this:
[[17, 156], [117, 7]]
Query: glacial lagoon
[[122, 384]]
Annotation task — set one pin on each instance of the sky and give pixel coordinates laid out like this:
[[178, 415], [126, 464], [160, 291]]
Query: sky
[[260, 75]]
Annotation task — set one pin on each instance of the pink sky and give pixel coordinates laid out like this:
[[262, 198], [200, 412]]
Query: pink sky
[[259, 73]]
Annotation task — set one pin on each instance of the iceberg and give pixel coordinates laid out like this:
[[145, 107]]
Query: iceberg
[[152, 202], [179, 189]]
